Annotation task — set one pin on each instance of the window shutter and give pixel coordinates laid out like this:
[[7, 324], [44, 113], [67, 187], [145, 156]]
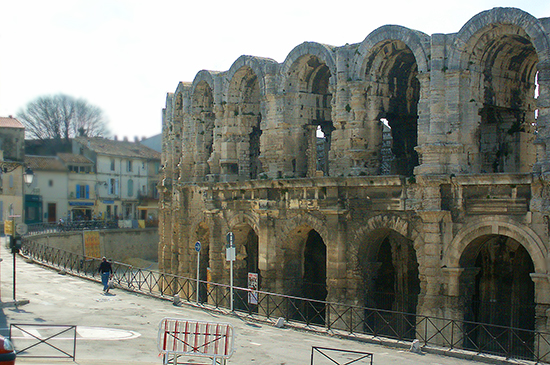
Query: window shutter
[[78, 191], [87, 191]]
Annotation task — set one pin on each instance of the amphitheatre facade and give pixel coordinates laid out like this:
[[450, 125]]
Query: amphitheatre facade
[[407, 172]]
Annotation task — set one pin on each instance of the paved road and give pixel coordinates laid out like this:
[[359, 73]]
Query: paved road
[[122, 328]]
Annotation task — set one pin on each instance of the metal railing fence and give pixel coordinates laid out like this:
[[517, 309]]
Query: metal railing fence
[[476, 337]]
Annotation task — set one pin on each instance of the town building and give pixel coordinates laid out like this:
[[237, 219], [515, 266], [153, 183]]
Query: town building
[[126, 177], [12, 152], [408, 172]]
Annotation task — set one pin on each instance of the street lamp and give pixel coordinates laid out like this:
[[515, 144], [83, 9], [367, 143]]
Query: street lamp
[[28, 177], [15, 241]]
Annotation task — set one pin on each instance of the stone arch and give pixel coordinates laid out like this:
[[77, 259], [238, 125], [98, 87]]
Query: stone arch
[[531, 25], [247, 248], [254, 63], [306, 219], [387, 260], [202, 116], [323, 52], [203, 75], [495, 263], [389, 63], [500, 50], [244, 94], [504, 227], [244, 218], [304, 263], [417, 42], [307, 78]]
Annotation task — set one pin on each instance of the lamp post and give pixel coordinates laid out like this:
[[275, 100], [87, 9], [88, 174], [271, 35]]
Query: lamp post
[[15, 240], [28, 177]]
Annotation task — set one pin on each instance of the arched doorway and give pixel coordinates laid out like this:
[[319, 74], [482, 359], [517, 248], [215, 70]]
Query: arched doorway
[[203, 236], [392, 284], [305, 274], [314, 283], [246, 244], [497, 290]]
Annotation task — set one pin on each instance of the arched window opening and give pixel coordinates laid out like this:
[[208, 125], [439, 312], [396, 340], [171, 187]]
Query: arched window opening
[[203, 120], [246, 243], [392, 284], [392, 72], [497, 290], [507, 89], [308, 92], [386, 154], [314, 284], [203, 236]]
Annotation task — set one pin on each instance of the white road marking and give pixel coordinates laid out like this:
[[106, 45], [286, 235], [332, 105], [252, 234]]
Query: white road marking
[[85, 333]]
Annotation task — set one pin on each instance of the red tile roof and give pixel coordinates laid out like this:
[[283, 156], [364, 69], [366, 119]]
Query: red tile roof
[[10, 122], [45, 163]]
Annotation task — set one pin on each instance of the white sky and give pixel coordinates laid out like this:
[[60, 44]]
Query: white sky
[[125, 55]]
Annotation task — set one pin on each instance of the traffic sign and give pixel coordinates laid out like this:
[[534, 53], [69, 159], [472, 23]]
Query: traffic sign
[[8, 228], [21, 229], [198, 246], [230, 237]]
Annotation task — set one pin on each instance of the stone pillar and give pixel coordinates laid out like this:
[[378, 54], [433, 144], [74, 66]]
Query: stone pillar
[[543, 122], [542, 313], [311, 152]]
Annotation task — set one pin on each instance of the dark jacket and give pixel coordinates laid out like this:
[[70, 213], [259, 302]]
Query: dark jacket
[[105, 266]]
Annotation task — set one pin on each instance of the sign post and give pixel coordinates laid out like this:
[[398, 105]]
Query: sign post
[[198, 249], [230, 256]]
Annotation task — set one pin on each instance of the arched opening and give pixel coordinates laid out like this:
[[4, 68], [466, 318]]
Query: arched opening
[[392, 284], [202, 109], [305, 269], [314, 284], [392, 82], [203, 236], [241, 142], [308, 91], [497, 290], [246, 244], [503, 63]]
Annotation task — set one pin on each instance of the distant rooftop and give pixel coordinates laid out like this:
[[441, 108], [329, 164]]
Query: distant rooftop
[[45, 163], [111, 147], [10, 122]]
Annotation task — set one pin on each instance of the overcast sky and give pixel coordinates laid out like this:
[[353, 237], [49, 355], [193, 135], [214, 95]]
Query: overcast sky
[[125, 55]]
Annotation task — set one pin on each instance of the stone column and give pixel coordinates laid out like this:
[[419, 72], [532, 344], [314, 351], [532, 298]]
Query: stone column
[[543, 122], [542, 313], [311, 152]]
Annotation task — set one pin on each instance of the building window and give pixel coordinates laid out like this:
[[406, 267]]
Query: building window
[[112, 164], [11, 181], [129, 165], [113, 186], [83, 191], [50, 182], [130, 187]]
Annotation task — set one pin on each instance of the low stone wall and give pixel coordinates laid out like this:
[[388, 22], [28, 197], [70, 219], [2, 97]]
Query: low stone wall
[[117, 245]]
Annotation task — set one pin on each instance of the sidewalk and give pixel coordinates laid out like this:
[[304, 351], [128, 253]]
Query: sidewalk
[[123, 328]]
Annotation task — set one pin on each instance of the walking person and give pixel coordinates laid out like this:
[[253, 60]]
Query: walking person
[[106, 273]]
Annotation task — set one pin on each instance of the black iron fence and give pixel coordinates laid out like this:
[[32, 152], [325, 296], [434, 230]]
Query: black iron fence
[[478, 338], [58, 227]]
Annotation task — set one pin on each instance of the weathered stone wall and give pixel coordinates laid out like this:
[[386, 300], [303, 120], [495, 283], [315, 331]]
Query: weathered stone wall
[[407, 172], [117, 245]]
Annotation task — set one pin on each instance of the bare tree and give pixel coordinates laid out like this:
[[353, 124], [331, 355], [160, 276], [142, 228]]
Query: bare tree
[[61, 117]]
